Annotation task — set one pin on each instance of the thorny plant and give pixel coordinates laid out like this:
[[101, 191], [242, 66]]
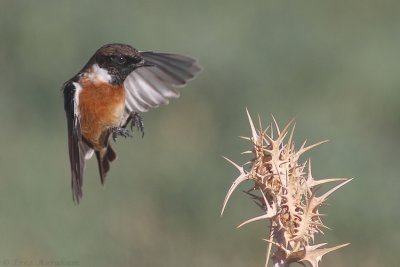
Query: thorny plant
[[286, 192]]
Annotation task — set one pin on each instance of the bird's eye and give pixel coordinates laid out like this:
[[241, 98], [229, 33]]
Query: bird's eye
[[118, 59]]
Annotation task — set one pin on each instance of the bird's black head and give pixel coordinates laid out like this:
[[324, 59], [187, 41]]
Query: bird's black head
[[119, 60]]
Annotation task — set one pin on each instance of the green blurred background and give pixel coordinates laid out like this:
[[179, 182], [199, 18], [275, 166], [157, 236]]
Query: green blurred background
[[333, 65]]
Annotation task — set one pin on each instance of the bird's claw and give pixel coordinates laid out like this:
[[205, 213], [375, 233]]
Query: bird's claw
[[137, 121], [119, 131]]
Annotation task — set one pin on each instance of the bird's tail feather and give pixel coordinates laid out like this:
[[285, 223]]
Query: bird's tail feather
[[104, 157]]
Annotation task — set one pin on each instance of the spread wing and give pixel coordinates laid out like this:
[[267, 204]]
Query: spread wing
[[152, 86], [78, 148]]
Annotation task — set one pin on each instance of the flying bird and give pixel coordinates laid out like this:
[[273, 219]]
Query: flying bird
[[115, 86]]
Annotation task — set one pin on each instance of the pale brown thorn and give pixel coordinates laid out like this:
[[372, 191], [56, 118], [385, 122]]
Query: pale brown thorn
[[269, 139], [282, 135], [314, 254], [259, 123], [234, 164], [264, 216], [271, 236], [271, 212], [272, 131], [290, 141], [305, 149], [239, 180], [328, 180], [311, 182], [242, 177], [278, 131], [278, 245], [253, 130], [327, 194]]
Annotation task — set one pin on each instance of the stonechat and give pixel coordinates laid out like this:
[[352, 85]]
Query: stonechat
[[109, 93]]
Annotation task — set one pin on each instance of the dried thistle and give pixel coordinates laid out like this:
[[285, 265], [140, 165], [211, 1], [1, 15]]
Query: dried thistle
[[286, 192]]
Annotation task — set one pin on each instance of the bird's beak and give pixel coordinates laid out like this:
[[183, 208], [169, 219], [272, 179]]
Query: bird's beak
[[144, 63]]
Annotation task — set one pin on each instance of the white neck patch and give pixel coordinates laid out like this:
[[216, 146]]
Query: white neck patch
[[78, 89], [98, 74]]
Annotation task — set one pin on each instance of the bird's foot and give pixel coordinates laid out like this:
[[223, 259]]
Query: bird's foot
[[137, 121], [115, 131]]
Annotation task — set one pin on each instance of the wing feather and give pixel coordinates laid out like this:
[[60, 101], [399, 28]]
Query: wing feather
[[79, 150], [150, 87]]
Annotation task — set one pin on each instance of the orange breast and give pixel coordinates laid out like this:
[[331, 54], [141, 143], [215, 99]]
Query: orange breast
[[101, 107]]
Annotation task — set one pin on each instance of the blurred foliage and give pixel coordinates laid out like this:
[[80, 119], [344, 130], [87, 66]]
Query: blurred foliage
[[331, 64]]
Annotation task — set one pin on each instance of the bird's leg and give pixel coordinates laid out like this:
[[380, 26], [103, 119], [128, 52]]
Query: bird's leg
[[115, 131], [136, 121]]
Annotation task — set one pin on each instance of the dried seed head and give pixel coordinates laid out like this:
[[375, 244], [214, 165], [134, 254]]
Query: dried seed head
[[286, 191]]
